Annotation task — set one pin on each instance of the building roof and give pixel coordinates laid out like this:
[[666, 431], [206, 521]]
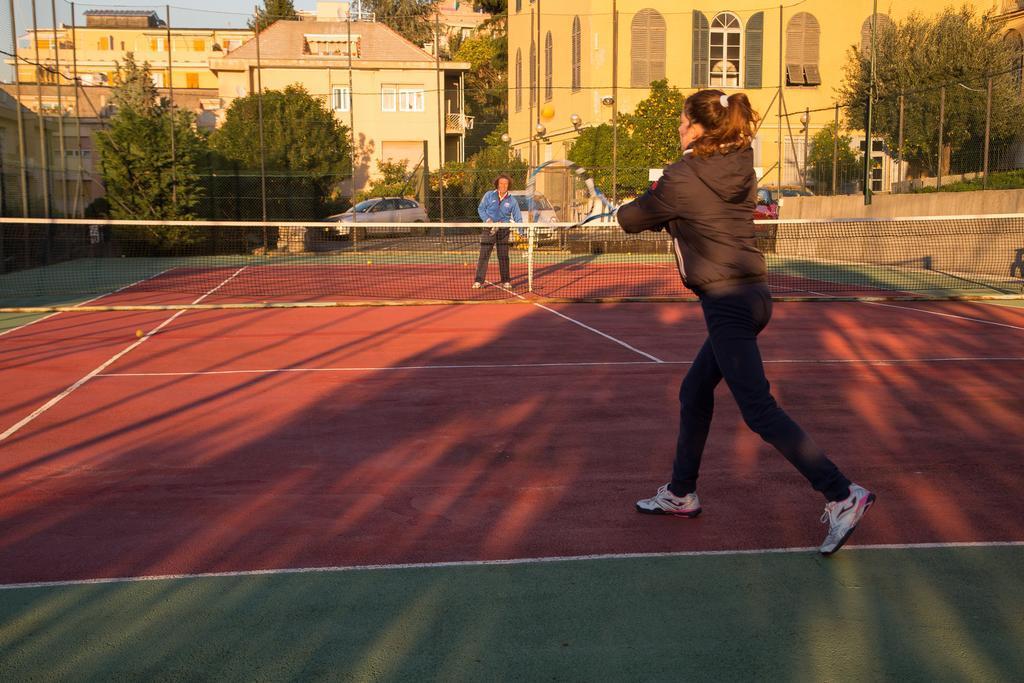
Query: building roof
[[286, 40], [119, 13]]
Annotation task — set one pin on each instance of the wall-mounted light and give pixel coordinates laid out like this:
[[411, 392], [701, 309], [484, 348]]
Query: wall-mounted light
[[607, 100], [506, 138], [541, 130], [575, 120]]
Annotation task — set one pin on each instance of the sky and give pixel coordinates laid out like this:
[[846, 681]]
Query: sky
[[184, 13]]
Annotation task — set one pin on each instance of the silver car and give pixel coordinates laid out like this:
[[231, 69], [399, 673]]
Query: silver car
[[380, 210]]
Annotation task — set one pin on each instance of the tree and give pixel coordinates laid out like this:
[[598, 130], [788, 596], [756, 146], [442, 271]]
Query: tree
[[393, 180], [819, 160], [414, 19], [492, 6], [654, 126], [647, 138], [486, 84], [918, 57], [143, 180], [303, 142], [465, 183], [271, 12]]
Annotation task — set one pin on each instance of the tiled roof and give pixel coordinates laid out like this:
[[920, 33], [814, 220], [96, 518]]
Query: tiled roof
[[286, 40]]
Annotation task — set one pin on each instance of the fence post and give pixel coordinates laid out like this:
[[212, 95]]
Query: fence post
[[988, 134], [942, 119], [899, 151], [835, 154]]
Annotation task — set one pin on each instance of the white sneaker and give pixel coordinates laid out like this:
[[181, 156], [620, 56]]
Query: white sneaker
[[665, 502], [477, 285], [842, 517], [506, 285]]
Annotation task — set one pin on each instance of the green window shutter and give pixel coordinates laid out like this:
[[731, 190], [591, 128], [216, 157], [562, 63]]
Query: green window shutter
[[754, 37], [647, 38], [701, 50]]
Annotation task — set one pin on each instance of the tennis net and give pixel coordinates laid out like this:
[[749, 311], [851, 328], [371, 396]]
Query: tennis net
[[113, 265]]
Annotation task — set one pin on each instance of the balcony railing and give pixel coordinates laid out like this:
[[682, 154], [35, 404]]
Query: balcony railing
[[457, 123]]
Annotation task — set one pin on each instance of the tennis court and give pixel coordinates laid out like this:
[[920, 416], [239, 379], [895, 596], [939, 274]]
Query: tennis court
[[446, 491]]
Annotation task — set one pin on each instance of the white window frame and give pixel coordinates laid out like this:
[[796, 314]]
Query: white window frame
[[389, 92], [341, 98], [411, 99], [725, 24]]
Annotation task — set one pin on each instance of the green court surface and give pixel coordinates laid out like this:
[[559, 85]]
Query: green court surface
[[908, 614]]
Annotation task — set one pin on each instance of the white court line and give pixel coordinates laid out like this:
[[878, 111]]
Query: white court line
[[88, 301], [946, 315], [584, 326], [110, 361], [504, 563], [921, 310], [627, 363]]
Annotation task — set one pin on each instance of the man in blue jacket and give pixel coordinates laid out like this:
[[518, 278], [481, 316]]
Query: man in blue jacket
[[497, 207]]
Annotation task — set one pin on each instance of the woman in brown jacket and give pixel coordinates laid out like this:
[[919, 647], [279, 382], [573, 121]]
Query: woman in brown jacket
[[706, 202]]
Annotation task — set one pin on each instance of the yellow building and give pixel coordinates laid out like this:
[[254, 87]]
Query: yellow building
[[179, 57], [378, 84], [586, 63]]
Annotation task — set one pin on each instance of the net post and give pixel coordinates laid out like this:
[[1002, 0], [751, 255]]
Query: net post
[[531, 241]]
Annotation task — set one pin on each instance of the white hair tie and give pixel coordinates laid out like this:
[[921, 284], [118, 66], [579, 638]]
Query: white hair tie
[[724, 101]]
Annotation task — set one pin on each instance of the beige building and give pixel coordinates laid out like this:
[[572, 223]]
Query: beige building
[[582, 64], [380, 85], [458, 18], [71, 170], [178, 57], [58, 186]]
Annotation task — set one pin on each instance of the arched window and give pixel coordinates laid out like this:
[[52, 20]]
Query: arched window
[[803, 37], [884, 24], [647, 40], [1015, 46], [519, 80], [726, 36], [549, 61], [533, 73], [577, 53]]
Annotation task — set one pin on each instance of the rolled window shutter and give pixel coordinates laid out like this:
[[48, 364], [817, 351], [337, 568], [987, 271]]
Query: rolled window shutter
[[701, 50], [576, 53], [754, 37]]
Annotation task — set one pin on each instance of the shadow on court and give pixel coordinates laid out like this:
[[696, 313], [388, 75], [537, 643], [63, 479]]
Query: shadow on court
[[474, 433]]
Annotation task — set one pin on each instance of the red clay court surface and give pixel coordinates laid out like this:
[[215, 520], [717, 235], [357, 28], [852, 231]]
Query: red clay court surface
[[233, 440]]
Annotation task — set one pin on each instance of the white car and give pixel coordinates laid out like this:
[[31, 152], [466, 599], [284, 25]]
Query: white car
[[380, 210], [537, 211]]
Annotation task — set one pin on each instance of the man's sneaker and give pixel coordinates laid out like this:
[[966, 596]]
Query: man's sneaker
[[506, 285], [477, 285], [842, 517], [665, 502]]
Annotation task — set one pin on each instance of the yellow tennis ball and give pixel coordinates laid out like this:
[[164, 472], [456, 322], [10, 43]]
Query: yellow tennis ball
[[547, 112], [138, 333], [369, 263]]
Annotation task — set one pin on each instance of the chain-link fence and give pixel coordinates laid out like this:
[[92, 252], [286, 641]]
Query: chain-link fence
[[955, 136]]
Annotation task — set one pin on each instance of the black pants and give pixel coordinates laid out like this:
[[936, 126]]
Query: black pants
[[485, 256], [734, 320]]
